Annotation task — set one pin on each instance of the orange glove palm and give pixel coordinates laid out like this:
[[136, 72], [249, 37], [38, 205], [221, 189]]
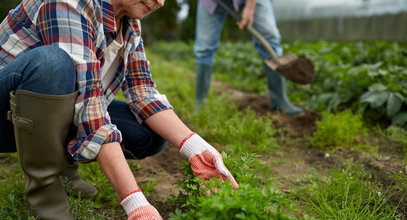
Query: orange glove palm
[[145, 213], [206, 162]]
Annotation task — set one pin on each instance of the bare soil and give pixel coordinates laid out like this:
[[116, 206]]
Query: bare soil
[[163, 170]]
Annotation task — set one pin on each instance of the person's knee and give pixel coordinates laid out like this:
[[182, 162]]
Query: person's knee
[[55, 64], [205, 56]]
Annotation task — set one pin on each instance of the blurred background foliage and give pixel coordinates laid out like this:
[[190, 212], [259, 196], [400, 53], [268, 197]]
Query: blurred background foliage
[[164, 24], [335, 20], [364, 69]]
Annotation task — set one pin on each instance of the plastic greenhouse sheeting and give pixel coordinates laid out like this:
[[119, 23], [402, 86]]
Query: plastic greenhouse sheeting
[[309, 9]]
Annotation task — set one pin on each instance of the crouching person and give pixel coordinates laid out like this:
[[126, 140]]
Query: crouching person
[[61, 65]]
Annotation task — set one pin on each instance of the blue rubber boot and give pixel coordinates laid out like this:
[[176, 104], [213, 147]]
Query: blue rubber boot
[[202, 83], [278, 95]]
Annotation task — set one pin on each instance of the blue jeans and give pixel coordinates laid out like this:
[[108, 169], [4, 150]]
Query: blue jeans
[[209, 28], [50, 70]]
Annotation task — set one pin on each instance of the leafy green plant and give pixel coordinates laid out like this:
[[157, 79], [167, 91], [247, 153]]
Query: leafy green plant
[[340, 130], [347, 74], [361, 75], [250, 201], [148, 186], [349, 193]]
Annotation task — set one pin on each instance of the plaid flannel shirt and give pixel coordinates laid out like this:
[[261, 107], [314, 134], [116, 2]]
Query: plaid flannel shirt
[[84, 28]]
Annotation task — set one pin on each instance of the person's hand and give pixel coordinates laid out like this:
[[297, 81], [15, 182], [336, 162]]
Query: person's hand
[[247, 15], [138, 208], [206, 162]]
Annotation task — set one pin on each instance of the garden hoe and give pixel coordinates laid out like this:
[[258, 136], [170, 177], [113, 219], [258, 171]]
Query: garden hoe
[[297, 69]]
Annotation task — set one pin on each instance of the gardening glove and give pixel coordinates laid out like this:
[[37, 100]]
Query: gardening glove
[[138, 208], [206, 162]]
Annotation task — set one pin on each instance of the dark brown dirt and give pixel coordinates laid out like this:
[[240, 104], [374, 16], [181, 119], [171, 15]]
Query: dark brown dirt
[[163, 171], [301, 70]]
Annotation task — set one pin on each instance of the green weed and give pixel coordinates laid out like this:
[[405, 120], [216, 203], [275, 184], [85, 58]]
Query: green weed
[[348, 193], [340, 130], [251, 201], [148, 186]]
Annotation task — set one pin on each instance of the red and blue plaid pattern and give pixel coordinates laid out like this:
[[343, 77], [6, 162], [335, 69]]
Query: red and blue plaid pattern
[[84, 28]]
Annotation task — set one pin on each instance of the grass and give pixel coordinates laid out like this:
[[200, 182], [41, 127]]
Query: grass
[[399, 136], [341, 130], [13, 206], [248, 138], [221, 122], [227, 128], [349, 193], [221, 119]]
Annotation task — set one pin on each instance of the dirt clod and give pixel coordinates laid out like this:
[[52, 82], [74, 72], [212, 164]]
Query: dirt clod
[[301, 70]]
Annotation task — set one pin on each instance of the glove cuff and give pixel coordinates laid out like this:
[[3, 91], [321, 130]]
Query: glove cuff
[[185, 139], [133, 201], [193, 145]]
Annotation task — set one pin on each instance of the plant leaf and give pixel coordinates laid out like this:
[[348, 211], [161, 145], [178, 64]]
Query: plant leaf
[[375, 98], [377, 87], [394, 103], [403, 83], [400, 119]]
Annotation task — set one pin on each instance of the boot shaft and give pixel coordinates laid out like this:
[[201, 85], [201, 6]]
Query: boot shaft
[[45, 121], [41, 124]]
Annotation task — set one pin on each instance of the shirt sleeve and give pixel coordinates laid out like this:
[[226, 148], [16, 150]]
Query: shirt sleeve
[[74, 30], [140, 90]]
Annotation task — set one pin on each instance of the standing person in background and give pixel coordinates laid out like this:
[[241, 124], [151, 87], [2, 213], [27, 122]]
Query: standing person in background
[[209, 23], [61, 65]]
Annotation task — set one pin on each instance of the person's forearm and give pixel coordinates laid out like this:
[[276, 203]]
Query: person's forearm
[[113, 163], [169, 126], [251, 4]]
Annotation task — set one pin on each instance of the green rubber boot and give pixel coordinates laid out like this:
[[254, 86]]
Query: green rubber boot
[[41, 124], [74, 183], [202, 83], [278, 95]]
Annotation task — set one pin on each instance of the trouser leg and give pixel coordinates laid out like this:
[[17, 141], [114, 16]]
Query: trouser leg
[[207, 37], [265, 24], [139, 141]]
